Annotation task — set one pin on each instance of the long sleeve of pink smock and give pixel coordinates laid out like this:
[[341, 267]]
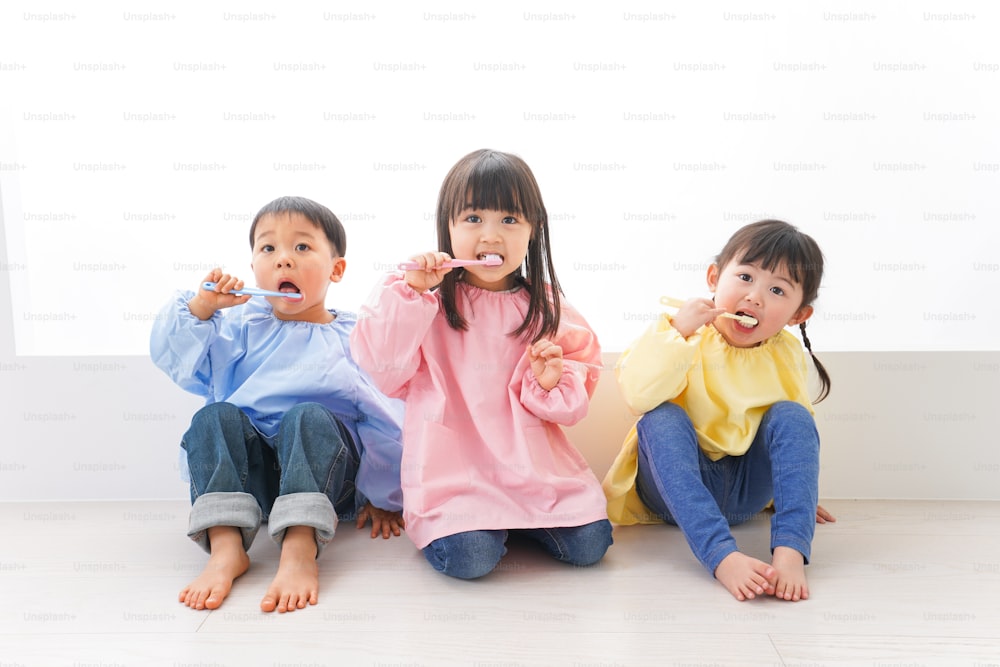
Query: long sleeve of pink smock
[[482, 445], [391, 326], [567, 402]]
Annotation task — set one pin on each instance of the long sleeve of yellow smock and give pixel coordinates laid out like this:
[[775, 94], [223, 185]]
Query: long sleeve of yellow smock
[[654, 369]]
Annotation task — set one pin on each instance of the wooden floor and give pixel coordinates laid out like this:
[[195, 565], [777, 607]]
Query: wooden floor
[[893, 583]]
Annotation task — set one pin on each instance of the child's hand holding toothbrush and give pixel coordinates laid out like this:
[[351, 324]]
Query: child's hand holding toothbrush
[[205, 302], [426, 271], [694, 314]]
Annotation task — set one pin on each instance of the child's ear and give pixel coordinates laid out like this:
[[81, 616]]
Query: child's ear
[[712, 277], [801, 315], [339, 266]]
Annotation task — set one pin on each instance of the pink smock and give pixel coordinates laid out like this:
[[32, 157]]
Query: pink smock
[[482, 445]]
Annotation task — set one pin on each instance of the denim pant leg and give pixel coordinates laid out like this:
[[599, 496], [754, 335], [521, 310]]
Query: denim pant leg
[[681, 485], [233, 473], [788, 434], [318, 467], [576, 545], [467, 555]]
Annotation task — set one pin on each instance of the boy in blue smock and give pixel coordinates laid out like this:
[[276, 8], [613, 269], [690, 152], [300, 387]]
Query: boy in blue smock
[[293, 432]]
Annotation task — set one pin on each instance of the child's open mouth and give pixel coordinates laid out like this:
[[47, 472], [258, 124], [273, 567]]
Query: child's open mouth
[[288, 288], [746, 320]]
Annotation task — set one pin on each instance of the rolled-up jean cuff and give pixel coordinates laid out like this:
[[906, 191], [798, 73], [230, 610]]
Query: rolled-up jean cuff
[[303, 509], [803, 547], [718, 555], [236, 509]]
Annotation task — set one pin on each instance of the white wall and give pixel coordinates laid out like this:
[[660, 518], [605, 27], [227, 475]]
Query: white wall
[[135, 144]]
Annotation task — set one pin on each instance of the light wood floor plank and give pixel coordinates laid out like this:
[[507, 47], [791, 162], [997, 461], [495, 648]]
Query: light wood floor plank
[[893, 582]]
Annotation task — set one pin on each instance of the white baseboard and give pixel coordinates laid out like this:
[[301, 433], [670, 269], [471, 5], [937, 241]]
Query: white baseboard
[[913, 425]]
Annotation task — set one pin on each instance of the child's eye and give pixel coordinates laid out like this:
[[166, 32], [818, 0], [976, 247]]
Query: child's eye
[[778, 291], [473, 218], [267, 248], [302, 247], [509, 220], [744, 277]]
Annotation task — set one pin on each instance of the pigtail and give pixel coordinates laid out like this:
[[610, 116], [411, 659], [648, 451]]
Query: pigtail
[[820, 369]]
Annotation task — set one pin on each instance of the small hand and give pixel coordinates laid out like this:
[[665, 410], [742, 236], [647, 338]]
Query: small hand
[[546, 362], [204, 303], [431, 274], [383, 521], [694, 314], [824, 516]]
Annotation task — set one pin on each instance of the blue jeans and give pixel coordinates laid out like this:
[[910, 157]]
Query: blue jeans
[[704, 497], [306, 478], [475, 553]]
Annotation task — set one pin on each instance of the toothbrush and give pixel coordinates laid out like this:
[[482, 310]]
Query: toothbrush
[[253, 291], [491, 260], [742, 319]]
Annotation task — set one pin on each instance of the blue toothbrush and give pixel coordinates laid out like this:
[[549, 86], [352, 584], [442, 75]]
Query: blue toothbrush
[[253, 291]]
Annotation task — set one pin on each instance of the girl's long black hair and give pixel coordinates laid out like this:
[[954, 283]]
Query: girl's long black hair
[[491, 180]]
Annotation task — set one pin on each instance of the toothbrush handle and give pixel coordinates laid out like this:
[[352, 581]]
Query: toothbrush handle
[[450, 264], [253, 291], [670, 301]]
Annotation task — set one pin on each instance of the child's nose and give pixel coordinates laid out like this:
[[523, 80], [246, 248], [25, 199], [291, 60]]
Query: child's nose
[[282, 260], [490, 232]]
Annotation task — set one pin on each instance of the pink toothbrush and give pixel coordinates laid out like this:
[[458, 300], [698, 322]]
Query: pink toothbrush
[[491, 260]]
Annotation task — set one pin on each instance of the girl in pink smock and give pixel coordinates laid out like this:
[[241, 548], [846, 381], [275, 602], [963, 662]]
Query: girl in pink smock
[[490, 361]]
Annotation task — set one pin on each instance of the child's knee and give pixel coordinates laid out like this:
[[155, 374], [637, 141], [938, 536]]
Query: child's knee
[[217, 413], [665, 411], [468, 555], [307, 413], [311, 422], [593, 543], [789, 410], [665, 417], [794, 420]]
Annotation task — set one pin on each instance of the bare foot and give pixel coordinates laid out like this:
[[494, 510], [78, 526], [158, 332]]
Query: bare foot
[[297, 580], [745, 577], [227, 561], [790, 583]]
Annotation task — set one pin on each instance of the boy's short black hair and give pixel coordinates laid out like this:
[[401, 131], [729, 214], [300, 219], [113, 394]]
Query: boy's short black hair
[[314, 212]]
